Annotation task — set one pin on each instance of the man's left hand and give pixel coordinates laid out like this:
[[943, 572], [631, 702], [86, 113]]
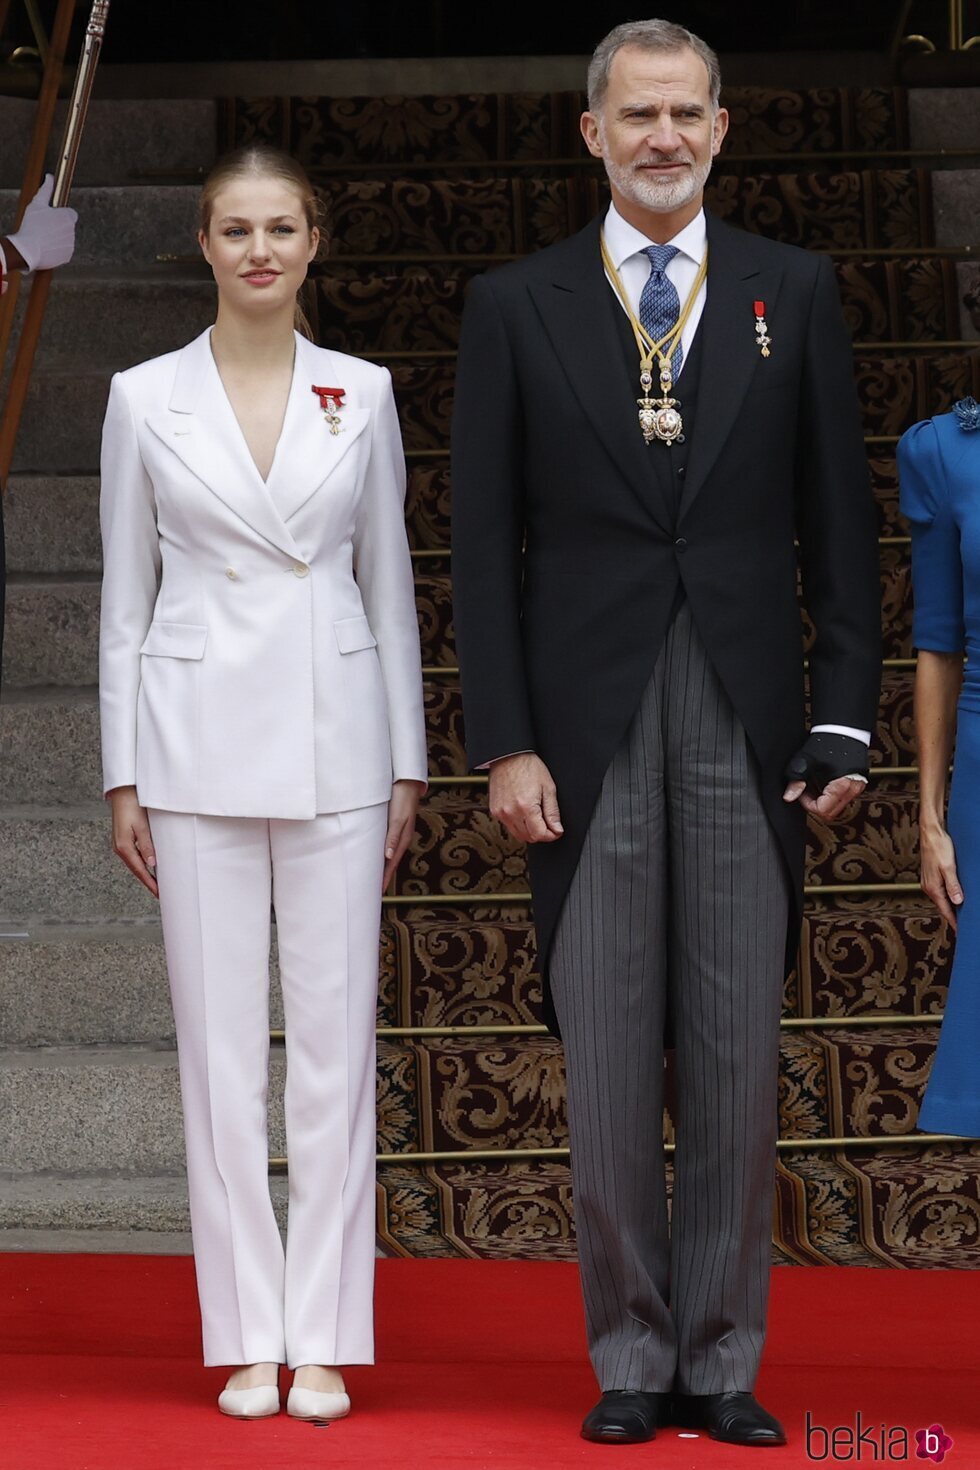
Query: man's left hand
[[823, 776], [831, 801]]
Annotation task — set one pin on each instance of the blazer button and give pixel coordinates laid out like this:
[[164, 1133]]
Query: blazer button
[[301, 569], [680, 543]]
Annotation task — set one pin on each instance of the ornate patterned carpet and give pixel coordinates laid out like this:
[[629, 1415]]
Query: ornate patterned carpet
[[422, 194]]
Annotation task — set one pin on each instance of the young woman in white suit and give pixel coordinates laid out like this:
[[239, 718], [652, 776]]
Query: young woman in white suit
[[263, 743]]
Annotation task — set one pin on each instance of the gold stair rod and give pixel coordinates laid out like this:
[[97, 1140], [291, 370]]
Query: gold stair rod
[[788, 1023], [519, 899], [560, 1155]]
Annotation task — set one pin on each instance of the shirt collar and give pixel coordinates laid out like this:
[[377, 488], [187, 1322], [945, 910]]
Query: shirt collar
[[624, 239]]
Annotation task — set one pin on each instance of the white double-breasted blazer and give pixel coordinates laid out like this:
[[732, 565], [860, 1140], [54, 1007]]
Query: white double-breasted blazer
[[259, 651]]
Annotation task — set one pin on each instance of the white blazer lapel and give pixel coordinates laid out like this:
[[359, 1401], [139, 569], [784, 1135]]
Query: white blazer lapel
[[308, 454], [201, 429]]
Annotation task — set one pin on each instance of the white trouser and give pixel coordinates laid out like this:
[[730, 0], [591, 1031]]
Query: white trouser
[[217, 876]]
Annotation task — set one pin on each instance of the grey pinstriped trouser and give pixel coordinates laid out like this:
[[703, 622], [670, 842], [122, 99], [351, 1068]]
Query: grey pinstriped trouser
[[680, 884]]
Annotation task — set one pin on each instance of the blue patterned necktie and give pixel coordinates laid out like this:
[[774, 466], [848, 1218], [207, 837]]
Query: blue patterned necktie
[[660, 305]]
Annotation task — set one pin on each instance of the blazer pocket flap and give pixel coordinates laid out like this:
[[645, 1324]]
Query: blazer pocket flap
[[354, 634], [175, 640]]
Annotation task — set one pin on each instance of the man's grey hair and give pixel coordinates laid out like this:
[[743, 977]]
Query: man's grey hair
[[649, 35]]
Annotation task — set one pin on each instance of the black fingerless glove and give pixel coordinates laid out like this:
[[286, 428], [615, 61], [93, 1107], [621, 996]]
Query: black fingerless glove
[[824, 758]]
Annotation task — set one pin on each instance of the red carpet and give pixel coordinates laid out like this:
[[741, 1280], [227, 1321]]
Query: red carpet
[[480, 1364]]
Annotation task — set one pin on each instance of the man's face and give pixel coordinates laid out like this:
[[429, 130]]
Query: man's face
[[655, 130]]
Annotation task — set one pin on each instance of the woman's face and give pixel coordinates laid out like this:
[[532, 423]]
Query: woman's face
[[258, 243]]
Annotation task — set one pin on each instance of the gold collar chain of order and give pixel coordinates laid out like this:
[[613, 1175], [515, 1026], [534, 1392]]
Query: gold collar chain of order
[[659, 417]]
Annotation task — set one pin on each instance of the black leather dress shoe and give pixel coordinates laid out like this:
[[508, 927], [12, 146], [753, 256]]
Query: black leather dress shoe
[[626, 1416], [735, 1418]]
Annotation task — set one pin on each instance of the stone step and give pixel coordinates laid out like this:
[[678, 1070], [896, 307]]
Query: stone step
[[52, 629], [55, 861], [94, 1202], [50, 742], [52, 624], [418, 307], [62, 425], [117, 1109], [56, 864], [122, 316], [52, 633], [123, 139], [955, 200], [872, 1206], [943, 117], [488, 127], [94, 983], [52, 521], [61, 430], [52, 524], [101, 1110], [136, 224], [85, 984], [106, 1207], [50, 738], [128, 225]]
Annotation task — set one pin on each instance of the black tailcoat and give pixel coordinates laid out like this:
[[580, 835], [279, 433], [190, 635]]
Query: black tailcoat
[[571, 545]]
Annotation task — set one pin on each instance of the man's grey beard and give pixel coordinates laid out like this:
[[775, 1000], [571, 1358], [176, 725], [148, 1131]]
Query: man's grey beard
[[663, 195]]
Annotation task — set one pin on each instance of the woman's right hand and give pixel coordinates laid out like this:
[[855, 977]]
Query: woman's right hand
[[939, 879], [131, 838]]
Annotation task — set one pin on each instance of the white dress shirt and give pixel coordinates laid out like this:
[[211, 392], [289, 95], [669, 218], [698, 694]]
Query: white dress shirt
[[626, 245]]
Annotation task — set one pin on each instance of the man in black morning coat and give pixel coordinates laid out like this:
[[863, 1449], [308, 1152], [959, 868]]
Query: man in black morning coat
[[632, 663]]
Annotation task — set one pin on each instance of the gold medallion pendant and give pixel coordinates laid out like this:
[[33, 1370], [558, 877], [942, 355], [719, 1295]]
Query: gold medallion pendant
[[659, 418]]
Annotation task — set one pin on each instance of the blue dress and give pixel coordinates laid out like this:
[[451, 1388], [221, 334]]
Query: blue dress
[[939, 470]]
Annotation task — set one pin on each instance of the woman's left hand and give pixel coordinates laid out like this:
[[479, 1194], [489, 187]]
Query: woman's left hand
[[402, 810]]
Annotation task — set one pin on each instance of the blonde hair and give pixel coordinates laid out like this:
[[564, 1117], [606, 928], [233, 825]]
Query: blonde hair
[[262, 160]]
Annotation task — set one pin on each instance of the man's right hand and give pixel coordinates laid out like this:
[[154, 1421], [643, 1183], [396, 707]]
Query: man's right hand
[[524, 799]]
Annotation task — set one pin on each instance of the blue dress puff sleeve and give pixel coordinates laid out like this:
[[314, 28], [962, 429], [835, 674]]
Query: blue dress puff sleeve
[[937, 566]]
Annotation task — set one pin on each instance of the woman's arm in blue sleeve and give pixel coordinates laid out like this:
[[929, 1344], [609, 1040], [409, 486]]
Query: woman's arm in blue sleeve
[[937, 567]]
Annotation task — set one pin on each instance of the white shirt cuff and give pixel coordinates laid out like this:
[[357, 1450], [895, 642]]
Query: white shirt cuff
[[863, 735], [487, 764]]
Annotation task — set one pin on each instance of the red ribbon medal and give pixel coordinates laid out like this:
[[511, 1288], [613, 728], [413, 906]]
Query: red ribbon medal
[[762, 337], [331, 401]]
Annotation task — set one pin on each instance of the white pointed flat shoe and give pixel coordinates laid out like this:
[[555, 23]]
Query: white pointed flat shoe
[[306, 1403], [249, 1403]]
